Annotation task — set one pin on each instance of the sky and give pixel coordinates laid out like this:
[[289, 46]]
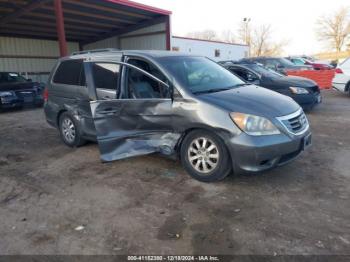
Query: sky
[[292, 21]]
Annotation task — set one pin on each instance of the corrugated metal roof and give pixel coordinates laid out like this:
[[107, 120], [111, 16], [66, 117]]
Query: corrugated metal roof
[[84, 20]]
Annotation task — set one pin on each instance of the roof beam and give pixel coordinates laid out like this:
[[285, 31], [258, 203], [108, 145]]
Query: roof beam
[[6, 9], [30, 22], [140, 6], [80, 13], [33, 4], [18, 27], [17, 2], [128, 29], [107, 9], [76, 20], [30, 34]]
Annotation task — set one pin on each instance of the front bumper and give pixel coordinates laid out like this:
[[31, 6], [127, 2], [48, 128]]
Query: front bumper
[[15, 102], [308, 101], [7, 103], [255, 154]]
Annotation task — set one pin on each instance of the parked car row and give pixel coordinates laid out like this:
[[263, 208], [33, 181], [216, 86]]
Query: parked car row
[[278, 64], [316, 65], [304, 91], [16, 91], [141, 102]]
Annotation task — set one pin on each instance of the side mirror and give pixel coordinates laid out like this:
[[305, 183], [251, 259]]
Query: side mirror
[[29, 80], [251, 79], [255, 82]]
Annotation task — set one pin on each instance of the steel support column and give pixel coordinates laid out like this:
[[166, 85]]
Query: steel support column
[[168, 32], [60, 28]]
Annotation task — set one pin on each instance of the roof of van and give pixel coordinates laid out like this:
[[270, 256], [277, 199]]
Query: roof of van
[[110, 52]]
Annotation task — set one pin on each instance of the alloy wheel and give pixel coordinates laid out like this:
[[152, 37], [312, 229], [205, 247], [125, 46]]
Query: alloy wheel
[[68, 130], [203, 154]]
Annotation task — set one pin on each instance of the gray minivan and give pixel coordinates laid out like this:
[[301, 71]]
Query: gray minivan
[[140, 102]]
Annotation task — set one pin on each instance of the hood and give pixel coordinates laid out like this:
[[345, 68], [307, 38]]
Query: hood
[[18, 86], [252, 100], [297, 81]]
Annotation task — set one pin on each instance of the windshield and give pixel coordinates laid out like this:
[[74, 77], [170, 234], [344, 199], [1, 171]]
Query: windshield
[[264, 71], [199, 74], [299, 61], [285, 62], [11, 78]]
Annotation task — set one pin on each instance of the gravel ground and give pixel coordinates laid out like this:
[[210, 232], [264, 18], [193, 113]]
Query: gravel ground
[[58, 200]]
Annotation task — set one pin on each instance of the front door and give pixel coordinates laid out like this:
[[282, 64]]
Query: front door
[[131, 109]]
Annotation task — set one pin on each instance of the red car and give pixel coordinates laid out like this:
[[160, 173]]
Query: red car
[[315, 64]]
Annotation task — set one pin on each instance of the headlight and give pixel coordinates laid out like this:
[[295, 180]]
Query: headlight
[[298, 90], [254, 125], [3, 94]]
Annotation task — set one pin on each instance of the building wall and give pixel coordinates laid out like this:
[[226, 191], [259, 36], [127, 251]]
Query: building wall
[[32, 57], [112, 42], [210, 49], [148, 38]]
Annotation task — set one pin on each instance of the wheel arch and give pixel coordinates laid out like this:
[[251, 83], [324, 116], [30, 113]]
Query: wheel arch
[[222, 134], [59, 115], [347, 86]]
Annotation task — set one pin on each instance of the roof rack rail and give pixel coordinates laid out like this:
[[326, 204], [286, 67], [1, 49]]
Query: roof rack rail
[[95, 51]]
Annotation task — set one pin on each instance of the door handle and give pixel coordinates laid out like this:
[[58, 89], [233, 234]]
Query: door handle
[[108, 111]]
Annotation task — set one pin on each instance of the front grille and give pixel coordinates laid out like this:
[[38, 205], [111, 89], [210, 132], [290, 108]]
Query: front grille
[[295, 123]]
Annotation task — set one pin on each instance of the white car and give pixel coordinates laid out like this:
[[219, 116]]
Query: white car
[[341, 80]]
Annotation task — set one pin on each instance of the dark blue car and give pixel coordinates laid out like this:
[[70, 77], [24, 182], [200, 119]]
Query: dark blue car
[[304, 91], [16, 91]]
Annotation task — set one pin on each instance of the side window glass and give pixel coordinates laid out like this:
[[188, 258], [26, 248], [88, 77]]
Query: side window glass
[[271, 64], [68, 72], [297, 61], [141, 86], [239, 73], [106, 79]]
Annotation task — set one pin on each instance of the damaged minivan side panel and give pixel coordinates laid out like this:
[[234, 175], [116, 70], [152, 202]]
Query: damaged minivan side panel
[[127, 127], [130, 128]]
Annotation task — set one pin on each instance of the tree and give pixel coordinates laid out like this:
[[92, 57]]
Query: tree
[[262, 45], [334, 30], [204, 35], [259, 39]]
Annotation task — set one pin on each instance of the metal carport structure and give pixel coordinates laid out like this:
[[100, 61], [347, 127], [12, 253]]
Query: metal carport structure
[[76, 25]]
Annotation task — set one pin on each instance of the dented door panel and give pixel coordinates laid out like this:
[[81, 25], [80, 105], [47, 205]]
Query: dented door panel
[[128, 128]]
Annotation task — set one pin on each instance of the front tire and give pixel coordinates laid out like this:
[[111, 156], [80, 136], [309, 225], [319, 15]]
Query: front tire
[[70, 130], [205, 157]]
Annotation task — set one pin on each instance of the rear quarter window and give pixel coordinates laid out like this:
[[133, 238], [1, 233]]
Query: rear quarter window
[[69, 73], [106, 75]]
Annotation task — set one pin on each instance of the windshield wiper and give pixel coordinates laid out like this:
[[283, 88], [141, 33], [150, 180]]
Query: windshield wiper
[[214, 90]]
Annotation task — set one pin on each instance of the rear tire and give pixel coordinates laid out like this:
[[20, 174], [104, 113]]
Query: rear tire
[[70, 130], [205, 156]]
